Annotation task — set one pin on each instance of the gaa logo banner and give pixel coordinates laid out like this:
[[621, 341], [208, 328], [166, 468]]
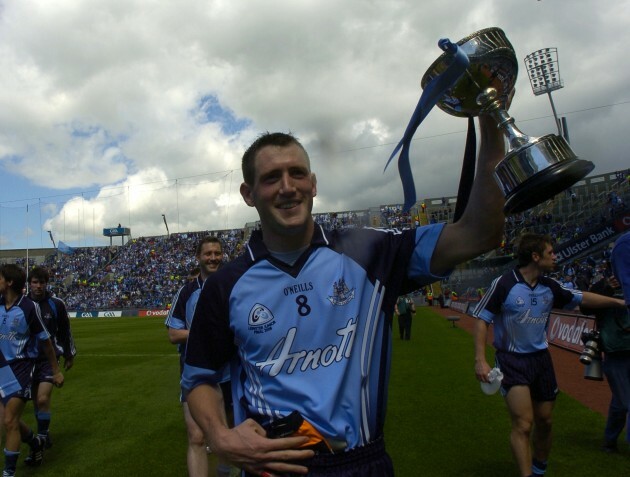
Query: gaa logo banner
[[95, 314], [109, 314], [83, 314]]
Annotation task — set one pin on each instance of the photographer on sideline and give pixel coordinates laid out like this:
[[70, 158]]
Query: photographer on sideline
[[614, 327]]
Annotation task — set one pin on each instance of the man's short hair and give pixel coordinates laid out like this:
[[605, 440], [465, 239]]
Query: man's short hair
[[266, 139], [14, 274], [40, 274], [207, 239], [528, 244]]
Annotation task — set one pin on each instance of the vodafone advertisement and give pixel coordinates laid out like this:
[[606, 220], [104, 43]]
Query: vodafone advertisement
[[622, 223], [565, 330], [152, 313], [117, 313]]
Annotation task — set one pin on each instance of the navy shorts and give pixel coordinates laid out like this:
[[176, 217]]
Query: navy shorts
[[23, 371], [534, 370], [368, 461], [42, 373]]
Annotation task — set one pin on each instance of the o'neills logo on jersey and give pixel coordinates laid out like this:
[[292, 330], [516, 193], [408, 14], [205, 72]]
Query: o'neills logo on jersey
[[342, 295], [260, 318]]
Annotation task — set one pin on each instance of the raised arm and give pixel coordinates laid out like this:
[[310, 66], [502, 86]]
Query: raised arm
[[480, 228]]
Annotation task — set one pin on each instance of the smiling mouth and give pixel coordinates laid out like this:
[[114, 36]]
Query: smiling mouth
[[288, 205]]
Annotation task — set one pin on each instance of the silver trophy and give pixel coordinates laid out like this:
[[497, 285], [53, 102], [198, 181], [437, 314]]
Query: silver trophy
[[534, 169]]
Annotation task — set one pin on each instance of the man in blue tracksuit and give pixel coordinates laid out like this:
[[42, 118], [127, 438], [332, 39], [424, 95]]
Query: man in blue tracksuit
[[304, 319], [55, 318]]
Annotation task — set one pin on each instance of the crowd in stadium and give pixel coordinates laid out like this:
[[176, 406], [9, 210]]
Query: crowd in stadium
[[144, 273], [147, 271]]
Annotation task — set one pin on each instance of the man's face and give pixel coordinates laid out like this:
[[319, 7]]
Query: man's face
[[282, 192], [4, 285], [37, 288], [547, 261], [209, 258]]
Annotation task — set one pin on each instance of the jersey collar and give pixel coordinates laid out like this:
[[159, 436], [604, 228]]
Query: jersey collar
[[257, 249]]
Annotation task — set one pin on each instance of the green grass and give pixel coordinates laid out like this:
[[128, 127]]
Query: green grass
[[439, 423], [119, 414]]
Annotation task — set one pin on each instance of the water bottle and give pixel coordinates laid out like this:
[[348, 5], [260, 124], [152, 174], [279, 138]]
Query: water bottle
[[494, 376]]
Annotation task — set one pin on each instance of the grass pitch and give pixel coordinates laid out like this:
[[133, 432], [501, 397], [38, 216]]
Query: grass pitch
[[440, 424], [119, 413]]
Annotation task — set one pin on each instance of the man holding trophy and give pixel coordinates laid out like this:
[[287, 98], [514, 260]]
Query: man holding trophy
[[304, 316], [343, 300]]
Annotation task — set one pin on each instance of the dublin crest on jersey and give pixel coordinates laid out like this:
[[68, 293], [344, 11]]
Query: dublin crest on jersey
[[260, 318], [342, 295]]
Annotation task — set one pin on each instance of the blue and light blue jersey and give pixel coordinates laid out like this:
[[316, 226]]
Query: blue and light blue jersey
[[313, 336], [20, 328], [520, 313], [55, 318], [181, 313]]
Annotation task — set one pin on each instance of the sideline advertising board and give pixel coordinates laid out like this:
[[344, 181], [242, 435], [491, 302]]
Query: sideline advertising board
[[565, 330], [461, 306], [117, 313], [95, 314], [83, 314], [153, 313]]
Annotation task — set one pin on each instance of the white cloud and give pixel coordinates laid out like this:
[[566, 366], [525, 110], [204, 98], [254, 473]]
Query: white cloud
[[106, 94]]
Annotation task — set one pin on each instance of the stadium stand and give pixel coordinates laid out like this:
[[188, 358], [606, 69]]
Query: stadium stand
[[146, 272]]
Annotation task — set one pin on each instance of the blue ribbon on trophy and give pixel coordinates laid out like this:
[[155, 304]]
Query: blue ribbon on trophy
[[431, 94]]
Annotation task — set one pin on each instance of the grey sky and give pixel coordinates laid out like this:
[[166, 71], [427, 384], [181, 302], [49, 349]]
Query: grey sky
[[119, 111]]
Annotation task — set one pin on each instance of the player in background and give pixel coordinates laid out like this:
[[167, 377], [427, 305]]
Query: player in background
[[405, 309], [518, 304], [21, 327], [209, 255], [55, 318]]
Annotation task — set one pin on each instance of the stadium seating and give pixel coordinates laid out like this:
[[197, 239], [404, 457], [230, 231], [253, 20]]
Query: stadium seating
[[147, 271]]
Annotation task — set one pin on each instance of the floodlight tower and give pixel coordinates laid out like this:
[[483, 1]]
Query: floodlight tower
[[52, 239], [168, 234], [544, 76]]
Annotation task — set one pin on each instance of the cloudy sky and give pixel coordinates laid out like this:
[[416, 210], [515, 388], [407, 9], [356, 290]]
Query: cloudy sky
[[118, 111]]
